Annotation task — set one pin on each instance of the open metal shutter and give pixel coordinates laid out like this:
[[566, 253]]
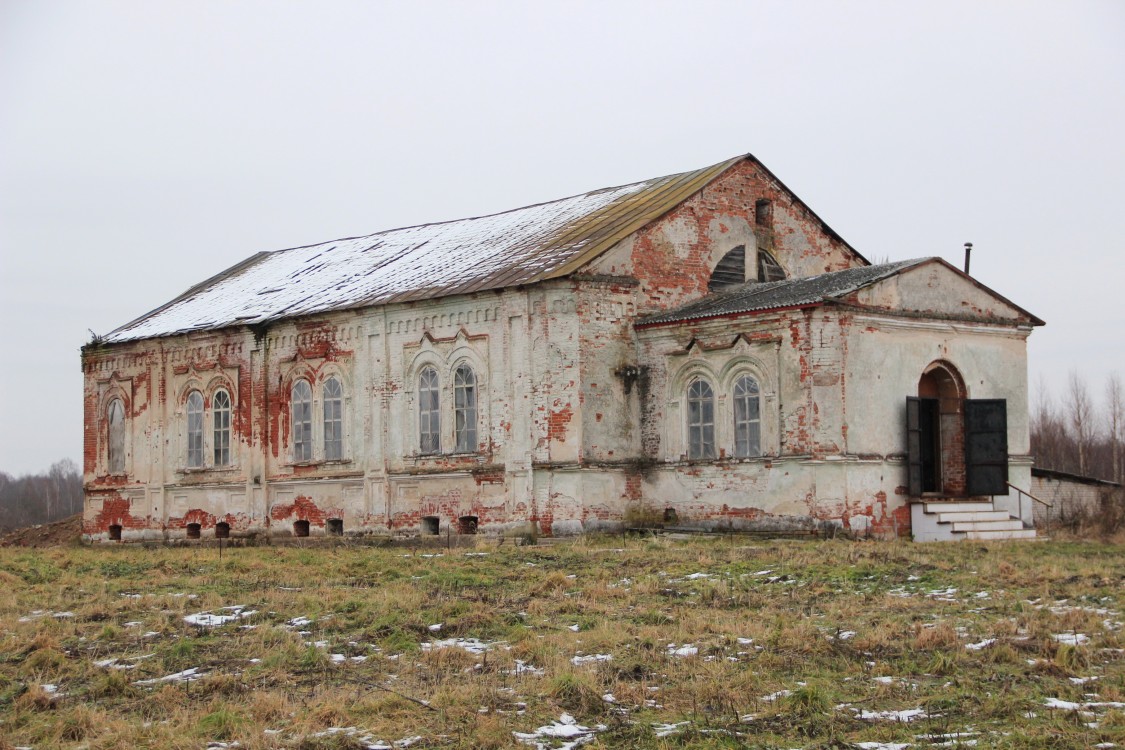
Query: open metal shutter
[[914, 445], [986, 446]]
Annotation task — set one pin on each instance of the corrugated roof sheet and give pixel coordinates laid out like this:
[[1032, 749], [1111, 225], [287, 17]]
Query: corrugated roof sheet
[[755, 296], [525, 245]]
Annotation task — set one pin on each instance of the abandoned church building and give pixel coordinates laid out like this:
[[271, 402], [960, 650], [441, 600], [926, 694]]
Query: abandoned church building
[[698, 350]]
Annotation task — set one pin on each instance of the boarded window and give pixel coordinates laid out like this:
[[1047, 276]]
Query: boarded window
[[430, 525], [195, 429], [429, 415], [335, 527], [302, 421], [467, 525], [193, 530], [747, 418], [222, 530], [115, 532], [701, 419], [986, 446], [465, 409], [333, 420], [220, 417], [730, 271], [300, 528], [768, 268], [116, 437]]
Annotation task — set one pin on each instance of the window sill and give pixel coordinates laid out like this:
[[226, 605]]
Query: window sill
[[207, 469], [319, 462], [471, 455]]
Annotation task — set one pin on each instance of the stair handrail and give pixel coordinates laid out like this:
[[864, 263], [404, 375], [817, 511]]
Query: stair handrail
[[1033, 497]]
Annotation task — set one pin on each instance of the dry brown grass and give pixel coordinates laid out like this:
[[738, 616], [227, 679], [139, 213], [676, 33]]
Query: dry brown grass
[[698, 634]]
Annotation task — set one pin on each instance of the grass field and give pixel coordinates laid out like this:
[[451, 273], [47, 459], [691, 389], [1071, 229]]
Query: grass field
[[604, 642]]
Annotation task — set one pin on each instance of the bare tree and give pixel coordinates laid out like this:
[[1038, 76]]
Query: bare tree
[[1115, 414], [1081, 418]]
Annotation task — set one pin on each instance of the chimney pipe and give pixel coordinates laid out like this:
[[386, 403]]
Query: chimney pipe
[[968, 253]]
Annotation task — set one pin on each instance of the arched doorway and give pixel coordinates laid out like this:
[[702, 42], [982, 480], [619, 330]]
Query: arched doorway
[[938, 432]]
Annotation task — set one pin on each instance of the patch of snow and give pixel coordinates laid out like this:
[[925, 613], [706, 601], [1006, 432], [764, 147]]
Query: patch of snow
[[525, 668], [882, 745], [566, 728], [667, 730], [978, 646], [435, 627], [688, 649], [576, 660], [63, 615], [609, 698], [905, 716], [209, 620], [574, 628], [472, 645], [188, 675], [774, 696], [1071, 639]]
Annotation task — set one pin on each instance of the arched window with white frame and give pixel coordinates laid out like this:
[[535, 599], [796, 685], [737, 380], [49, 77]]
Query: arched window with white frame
[[701, 419], [116, 437], [465, 409], [220, 427], [429, 412], [747, 418], [301, 408], [195, 430], [333, 394]]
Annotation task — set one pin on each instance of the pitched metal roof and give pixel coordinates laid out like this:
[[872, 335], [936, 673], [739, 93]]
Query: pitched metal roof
[[773, 295], [521, 246]]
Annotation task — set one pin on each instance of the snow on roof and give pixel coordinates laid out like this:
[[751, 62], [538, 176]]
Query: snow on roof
[[421, 262]]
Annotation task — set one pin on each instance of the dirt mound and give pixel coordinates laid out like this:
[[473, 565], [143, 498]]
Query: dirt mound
[[66, 531]]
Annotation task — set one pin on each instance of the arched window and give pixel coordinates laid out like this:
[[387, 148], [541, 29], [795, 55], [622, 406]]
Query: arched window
[[333, 420], [701, 419], [747, 418], [768, 268], [730, 271], [116, 414], [195, 430], [465, 409], [301, 403], [220, 423], [429, 414]]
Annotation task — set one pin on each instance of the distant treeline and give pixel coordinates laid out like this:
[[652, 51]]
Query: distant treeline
[[40, 498], [1079, 433]]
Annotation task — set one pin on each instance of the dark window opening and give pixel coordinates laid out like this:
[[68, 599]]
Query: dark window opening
[[730, 271], [467, 525], [670, 516], [115, 533], [430, 525], [763, 213], [768, 268], [193, 530], [336, 526], [222, 530], [300, 528]]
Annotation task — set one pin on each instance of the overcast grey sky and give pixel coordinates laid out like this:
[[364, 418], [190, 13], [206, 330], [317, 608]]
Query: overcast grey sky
[[146, 146]]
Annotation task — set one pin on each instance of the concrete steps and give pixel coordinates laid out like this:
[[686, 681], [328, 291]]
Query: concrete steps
[[958, 520], [995, 535]]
